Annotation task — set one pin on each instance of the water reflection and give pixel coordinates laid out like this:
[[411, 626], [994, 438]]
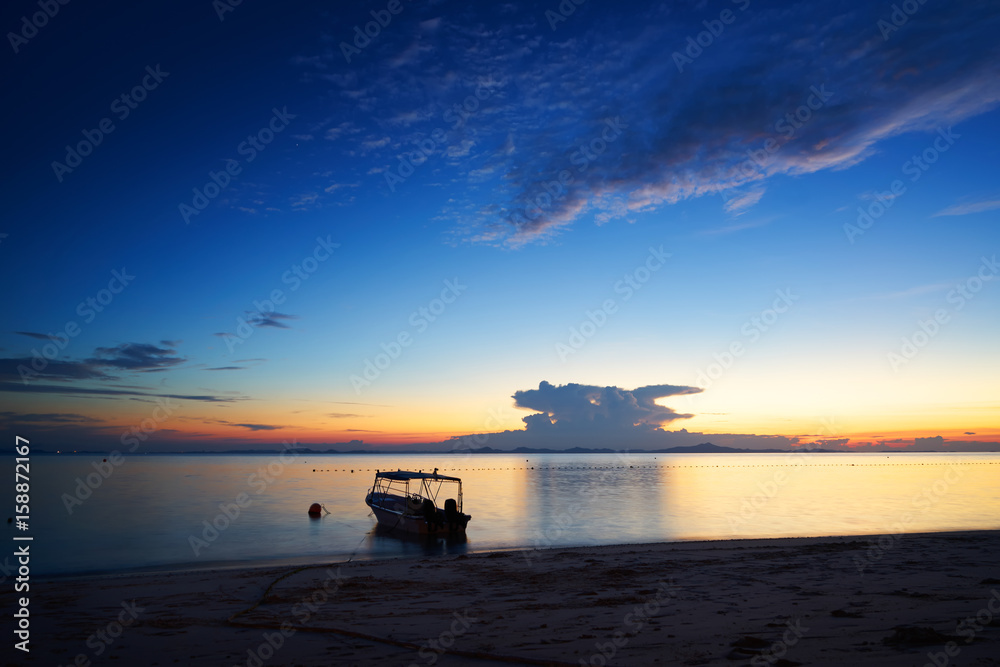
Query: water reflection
[[147, 512], [382, 540]]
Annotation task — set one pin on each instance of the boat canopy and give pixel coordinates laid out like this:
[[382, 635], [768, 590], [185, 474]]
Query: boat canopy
[[406, 475]]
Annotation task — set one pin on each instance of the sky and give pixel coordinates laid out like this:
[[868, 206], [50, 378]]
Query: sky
[[441, 225]]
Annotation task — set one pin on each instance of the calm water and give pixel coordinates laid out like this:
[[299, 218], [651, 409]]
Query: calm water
[[145, 513]]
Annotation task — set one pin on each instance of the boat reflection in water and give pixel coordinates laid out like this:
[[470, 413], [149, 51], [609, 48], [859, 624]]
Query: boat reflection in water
[[388, 542]]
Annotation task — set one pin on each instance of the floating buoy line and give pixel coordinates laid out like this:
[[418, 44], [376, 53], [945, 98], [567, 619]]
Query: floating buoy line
[[659, 467]]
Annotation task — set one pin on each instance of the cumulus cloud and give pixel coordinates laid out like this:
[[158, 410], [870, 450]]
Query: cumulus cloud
[[577, 407], [933, 442], [837, 443]]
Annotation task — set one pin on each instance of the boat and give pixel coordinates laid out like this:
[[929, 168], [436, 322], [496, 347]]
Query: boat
[[408, 501]]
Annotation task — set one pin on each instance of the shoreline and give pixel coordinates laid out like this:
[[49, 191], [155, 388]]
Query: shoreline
[[814, 600], [335, 559]]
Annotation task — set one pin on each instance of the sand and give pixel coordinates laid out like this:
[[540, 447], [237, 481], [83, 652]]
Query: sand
[[811, 601]]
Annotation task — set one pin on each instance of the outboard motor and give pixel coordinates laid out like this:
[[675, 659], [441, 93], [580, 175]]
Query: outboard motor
[[452, 516], [431, 515]]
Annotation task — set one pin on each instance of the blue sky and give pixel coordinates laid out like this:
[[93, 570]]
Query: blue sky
[[533, 164]]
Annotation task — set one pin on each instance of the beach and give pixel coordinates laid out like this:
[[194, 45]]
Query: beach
[[880, 600]]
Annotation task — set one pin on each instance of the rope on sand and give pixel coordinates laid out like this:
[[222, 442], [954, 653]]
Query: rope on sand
[[478, 655], [290, 573], [268, 591]]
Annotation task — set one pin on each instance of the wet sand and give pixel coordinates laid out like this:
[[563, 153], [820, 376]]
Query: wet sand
[[811, 601]]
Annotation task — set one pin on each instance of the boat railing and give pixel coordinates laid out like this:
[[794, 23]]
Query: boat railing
[[424, 488]]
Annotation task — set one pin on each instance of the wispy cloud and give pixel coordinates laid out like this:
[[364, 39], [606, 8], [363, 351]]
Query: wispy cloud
[[109, 392], [274, 320], [739, 205], [259, 427], [377, 405], [270, 320], [47, 417], [303, 201], [969, 208], [128, 357], [684, 134], [137, 357], [737, 227], [249, 426], [333, 187], [11, 369], [32, 334]]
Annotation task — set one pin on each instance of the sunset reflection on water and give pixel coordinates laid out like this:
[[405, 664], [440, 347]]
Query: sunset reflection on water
[[151, 510]]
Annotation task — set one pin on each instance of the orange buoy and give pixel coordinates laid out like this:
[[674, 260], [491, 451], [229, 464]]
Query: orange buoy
[[315, 510]]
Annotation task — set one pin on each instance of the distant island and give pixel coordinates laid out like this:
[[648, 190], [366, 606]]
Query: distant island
[[703, 448]]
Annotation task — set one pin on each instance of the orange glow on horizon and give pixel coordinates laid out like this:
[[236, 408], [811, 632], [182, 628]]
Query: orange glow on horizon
[[328, 424]]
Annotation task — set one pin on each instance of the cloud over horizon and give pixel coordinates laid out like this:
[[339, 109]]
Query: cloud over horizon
[[588, 408]]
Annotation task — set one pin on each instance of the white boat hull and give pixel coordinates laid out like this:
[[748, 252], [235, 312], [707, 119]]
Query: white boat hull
[[384, 509]]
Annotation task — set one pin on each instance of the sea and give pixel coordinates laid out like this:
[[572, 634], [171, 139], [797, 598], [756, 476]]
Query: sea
[[184, 511]]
